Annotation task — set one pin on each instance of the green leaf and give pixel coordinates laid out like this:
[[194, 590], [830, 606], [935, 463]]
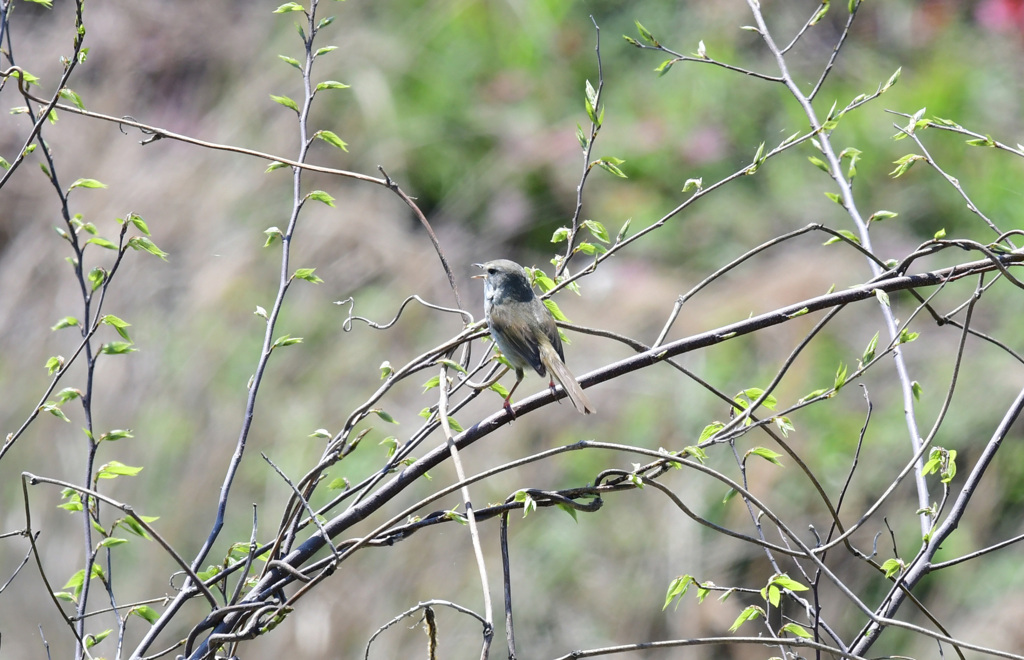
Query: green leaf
[[882, 296], [906, 336], [766, 454], [276, 165], [54, 410], [905, 163], [882, 215], [916, 389], [146, 612], [73, 97], [709, 431], [591, 248], [555, 311], [307, 274], [869, 352], [797, 630], [986, 141], [385, 369], [286, 102], [285, 8], [331, 138], [750, 613], [273, 233], [117, 348], [819, 163], [786, 582], [391, 442], [835, 197], [892, 79], [622, 231], [939, 235], [68, 394], [102, 242], [324, 50], [813, 395], [784, 424], [384, 415], [568, 509], [139, 223], [66, 322], [331, 84], [665, 66], [285, 340], [339, 483], [451, 364], [820, 14], [561, 234], [677, 589], [321, 196], [116, 434], [86, 183], [54, 364], [118, 324], [291, 60], [581, 137], [432, 383], [840, 377], [892, 567], [610, 164], [115, 469], [597, 229], [97, 276], [646, 35], [144, 244], [694, 184], [524, 498]]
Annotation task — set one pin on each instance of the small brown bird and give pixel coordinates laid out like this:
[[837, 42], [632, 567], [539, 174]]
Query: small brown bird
[[524, 329]]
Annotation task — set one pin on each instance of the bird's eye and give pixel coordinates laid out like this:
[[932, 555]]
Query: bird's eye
[[492, 271]]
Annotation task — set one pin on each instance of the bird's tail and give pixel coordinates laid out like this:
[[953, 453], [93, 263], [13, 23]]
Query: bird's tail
[[561, 373]]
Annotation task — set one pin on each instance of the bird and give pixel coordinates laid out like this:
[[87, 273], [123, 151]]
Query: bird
[[524, 330]]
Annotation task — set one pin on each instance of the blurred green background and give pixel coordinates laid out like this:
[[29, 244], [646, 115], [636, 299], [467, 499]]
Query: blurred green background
[[472, 108]]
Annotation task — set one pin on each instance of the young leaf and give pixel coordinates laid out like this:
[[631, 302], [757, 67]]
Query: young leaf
[[86, 183], [869, 352], [597, 229], [285, 101], [307, 274], [144, 244], [288, 7], [117, 348], [102, 242], [882, 215], [331, 84], [750, 613], [291, 60], [765, 453], [646, 34], [555, 311], [797, 630], [561, 234], [66, 322], [385, 416], [321, 196], [285, 340], [114, 469], [118, 324], [332, 139]]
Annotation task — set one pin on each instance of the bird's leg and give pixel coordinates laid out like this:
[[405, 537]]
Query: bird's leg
[[508, 406], [551, 386]]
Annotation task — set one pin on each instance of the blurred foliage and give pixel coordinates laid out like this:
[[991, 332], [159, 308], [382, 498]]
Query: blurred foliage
[[472, 108]]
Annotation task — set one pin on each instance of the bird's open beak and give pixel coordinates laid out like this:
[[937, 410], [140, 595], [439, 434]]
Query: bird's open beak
[[480, 276]]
